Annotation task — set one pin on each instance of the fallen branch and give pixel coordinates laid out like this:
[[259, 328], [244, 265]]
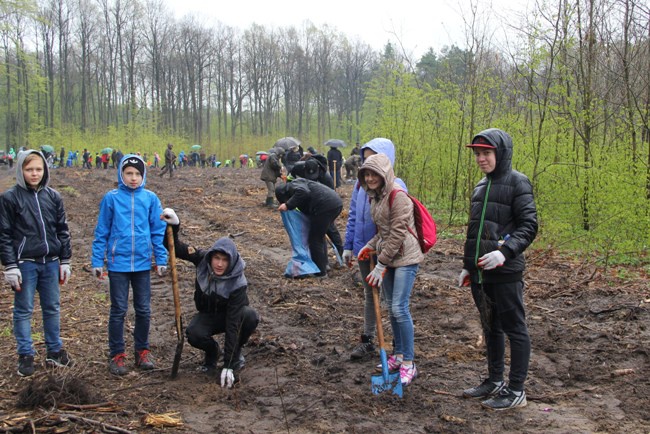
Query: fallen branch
[[104, 426]]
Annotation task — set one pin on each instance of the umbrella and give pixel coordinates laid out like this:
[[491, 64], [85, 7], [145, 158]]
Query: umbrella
[[106, 150], [335, 143], [287, 143], [261, 153], [47, 148], [195, 147]]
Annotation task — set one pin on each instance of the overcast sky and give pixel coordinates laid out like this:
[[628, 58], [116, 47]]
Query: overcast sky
[[415, 24]]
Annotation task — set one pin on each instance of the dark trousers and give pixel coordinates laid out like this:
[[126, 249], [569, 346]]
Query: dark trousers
[[318, 227], [205, 325], [501, 306], [335, 236]]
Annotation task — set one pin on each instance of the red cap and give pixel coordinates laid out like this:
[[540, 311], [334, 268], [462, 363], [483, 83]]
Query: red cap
[[480, 142]]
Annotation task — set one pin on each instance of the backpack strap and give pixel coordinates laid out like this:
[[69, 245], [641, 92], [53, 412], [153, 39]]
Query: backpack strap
[[391, 198]]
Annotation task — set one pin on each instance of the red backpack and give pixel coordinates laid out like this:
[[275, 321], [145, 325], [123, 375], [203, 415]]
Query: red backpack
[[425, 226]]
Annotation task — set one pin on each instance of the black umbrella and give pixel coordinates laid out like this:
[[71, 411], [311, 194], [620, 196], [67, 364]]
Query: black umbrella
[[335, 143], [287, 143]]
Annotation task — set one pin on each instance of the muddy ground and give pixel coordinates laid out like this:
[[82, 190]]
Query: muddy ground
[[589, 328]]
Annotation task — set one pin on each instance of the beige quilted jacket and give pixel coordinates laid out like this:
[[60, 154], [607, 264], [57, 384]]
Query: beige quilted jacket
[[396, 246]]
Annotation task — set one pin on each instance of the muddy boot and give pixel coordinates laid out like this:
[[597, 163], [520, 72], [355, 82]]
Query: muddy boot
[[210, 361], [269, 202], [365, 348]]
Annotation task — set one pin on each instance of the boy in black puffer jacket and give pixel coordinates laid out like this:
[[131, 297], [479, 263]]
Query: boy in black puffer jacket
[[503, 223]]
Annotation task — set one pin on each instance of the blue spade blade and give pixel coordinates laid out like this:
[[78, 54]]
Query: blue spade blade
[[386, 381]]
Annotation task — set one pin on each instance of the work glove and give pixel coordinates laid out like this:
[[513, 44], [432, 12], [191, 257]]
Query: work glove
[[365, 253], [169, 216], [347, 257], [64, 273], [491, 260], [227, 378], [161, 270], [98, 272], [376, 276], [463, 278], [14, 278]]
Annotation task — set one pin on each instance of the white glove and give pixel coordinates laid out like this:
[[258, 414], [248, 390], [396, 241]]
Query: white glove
[[161, 270], [376, 276], [169, 216], [463, 278], [227, 378], [64, 273], [14, 278], [491, 260], [98, 272], [347, 257]]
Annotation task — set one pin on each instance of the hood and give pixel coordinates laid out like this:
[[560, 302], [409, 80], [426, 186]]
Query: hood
[[503, 143], [284, 191], [380, 146], [120, 181], [380, 164], [231, 280], [20, 159]]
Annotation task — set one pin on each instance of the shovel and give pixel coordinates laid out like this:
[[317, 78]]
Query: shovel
[[385, 381], [177, 301]]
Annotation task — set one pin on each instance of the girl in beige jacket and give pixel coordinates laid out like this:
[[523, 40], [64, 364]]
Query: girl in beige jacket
[[398, 256]]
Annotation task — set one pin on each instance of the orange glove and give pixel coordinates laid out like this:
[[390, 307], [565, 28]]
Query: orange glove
[[365, 253]]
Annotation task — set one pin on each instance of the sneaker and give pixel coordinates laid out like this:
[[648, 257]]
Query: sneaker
[[506, 399], [407, 373], [210, 362], [393, 364], [239, 364], [61, 359], [365, 348], [484, 390], [25, 365], [117, 366], [144, 360]]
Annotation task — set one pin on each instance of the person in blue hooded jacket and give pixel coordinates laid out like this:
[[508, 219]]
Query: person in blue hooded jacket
[[359, 230], [128, 234], [221, 299]]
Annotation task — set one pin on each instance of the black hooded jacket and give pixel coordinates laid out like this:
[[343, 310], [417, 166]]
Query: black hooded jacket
[[311, 197], [218, 295], [33, 223], [509, 212]]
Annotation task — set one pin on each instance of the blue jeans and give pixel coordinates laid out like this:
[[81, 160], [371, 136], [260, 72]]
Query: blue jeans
[[43, 278], [398, 283], [119, 288]]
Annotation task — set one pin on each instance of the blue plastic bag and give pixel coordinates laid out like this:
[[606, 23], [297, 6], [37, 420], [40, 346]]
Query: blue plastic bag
[[297, 227]]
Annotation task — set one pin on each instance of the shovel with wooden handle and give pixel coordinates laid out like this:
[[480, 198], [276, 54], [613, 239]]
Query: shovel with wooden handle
[[177, 301], [386, 381]]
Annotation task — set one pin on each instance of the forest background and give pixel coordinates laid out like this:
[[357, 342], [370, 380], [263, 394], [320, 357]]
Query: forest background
[[572, 87]]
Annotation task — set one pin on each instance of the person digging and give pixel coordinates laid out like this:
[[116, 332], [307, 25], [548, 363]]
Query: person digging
[[221, 298]]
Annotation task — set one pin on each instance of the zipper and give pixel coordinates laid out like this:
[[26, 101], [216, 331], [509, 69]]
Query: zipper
[[40, 216], [132, 230]]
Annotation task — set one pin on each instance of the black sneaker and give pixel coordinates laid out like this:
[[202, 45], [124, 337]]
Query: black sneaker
[[61, 359], [364, 349], [484, 390], [25, 365], [239, 365], [505, 400]]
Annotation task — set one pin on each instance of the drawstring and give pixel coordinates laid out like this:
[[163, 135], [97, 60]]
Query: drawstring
[[480, 230]]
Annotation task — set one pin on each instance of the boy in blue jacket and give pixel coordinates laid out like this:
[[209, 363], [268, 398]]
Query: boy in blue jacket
[[128, 233]]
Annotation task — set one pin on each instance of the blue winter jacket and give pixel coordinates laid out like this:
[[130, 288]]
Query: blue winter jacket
[[360, 228], [129, 230]]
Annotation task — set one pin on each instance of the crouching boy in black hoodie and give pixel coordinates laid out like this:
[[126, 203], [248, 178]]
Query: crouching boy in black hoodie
[[221, 300]]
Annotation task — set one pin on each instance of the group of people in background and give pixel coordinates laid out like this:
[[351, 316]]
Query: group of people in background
[[380, 233]]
